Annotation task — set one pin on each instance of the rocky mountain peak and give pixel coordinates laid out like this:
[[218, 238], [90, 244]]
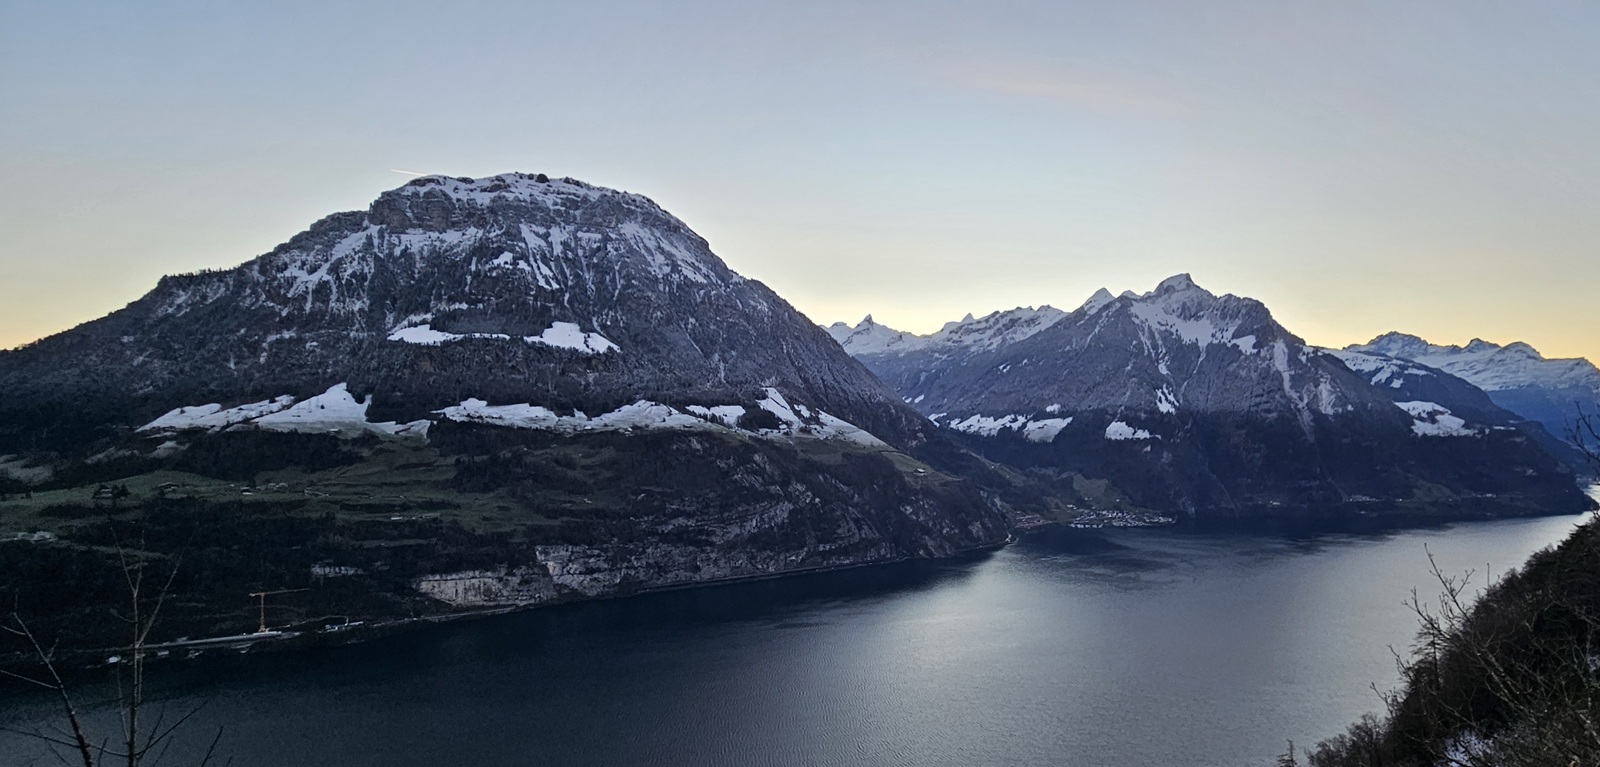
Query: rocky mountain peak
[[1097, 301], [870, 337], [1175, 284], [967, 335], [1393, 344]]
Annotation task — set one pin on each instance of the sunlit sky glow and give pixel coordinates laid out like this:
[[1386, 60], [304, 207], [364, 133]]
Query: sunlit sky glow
[[1431, 167]]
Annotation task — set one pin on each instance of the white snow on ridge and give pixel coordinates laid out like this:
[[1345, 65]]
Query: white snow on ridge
[[567, 335], [1119, 431], [560, 335], [1433, 420], [213, 417], [727, 415], [645, 414], [1042, 430], [425, 335], [1045, 430], [1380, 369], [1489, 366], [824, 425], [332, 411], [985, 426]]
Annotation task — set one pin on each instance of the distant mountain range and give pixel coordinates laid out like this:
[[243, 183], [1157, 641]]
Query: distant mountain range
[[1203, 404], [1515, 376]]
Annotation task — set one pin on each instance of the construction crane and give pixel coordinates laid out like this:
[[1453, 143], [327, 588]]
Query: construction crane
[[262, 604]]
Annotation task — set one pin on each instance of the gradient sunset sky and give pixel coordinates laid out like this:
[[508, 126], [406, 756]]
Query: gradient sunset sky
[[1429, 167]]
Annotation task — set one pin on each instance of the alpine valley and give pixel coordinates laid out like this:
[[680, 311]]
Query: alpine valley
[[483, 394]]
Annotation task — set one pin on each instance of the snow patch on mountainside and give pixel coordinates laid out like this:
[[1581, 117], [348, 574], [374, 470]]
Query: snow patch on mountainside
[[797, 420], [331, 411], [213, 417], [425, 335], [985, 426], [560, 335], [335, 410], [1042, 430], [567, 335], [1434, 420], [642, 414], [1165, 401], [1381, 370], [727, 415], [1120, 430], [1045, 429], [801, 420]]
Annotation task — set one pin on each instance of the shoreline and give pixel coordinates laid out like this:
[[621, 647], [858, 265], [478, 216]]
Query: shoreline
[[287, 639]]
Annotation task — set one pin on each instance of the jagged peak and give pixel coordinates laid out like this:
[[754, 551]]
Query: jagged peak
[[1097, 301], [1178, 285], [1524, 348], [1176, 282]]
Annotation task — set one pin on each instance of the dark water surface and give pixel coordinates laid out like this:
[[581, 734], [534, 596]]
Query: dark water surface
[[1127, 648]]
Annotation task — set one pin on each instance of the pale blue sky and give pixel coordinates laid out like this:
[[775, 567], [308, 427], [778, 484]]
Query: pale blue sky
[[1427, 167]]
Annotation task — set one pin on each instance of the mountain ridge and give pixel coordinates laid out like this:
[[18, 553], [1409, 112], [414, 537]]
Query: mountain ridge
[[1206, 397], [1515, 376]]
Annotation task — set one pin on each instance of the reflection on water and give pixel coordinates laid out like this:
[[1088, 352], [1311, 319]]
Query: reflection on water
[[1133, 647]]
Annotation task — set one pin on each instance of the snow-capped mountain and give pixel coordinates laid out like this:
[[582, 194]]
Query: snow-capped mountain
[[1490, 366], [511, 289], [868, 337], [521, 313], [1516, 376], [1204, 403], [966, 336], [1407, 381]]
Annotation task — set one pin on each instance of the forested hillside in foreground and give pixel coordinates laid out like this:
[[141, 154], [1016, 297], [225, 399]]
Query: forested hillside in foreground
[[1511, 680]]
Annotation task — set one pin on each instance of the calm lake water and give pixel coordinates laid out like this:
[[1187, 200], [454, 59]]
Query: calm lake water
[[1136, 648]]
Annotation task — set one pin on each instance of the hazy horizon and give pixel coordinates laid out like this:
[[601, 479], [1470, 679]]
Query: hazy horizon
[[1428, 169]]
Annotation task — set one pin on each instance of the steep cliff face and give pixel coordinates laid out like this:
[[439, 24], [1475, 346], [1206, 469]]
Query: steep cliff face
[[1204, 404], [657, 418]]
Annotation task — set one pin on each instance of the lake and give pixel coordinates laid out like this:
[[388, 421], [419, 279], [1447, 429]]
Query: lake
[[1099, 649]]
